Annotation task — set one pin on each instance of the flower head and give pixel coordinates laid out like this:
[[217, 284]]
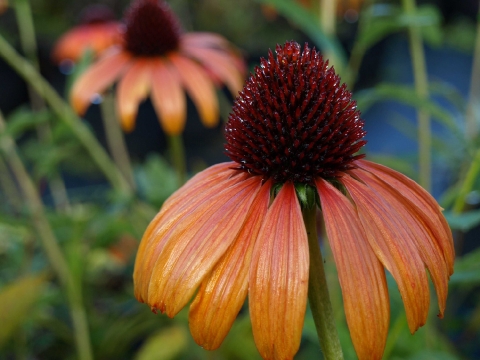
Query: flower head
[[157, 58], [97, 31], [229, 232]]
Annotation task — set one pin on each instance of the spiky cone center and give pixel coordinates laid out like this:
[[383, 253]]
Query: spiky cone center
[[152, 29], [293, 120]]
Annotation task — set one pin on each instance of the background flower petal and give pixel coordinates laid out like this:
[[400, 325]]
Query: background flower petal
[[97, 78], [421, 198], [223, 292], [199, 87], [168, 97], [132, 89], [361, 275], [195, 244], [278, 284], [394, 247]]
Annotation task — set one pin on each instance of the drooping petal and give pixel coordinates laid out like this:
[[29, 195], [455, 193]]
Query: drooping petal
[[278, 283], [133, 89], [220, 64], [394, 247], [204, 39], [361, 275], [199, 87], [194, 245], [197, 190], [97, 78], [421, 198], [168, 98], [223, 293], [422, 232]]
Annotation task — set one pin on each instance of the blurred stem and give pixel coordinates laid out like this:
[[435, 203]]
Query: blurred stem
[[468, 183], [177, 155], [115, 138], [49, 243], [9, 188], [471, 127], [328, 18], [65, 114], [318, 295], [421, 88], [29, 46]]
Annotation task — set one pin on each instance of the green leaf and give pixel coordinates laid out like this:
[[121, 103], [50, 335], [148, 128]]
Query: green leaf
[[464, 221], [164, 345], [24, 119], [467, 269], [16, 302], [309, 24]]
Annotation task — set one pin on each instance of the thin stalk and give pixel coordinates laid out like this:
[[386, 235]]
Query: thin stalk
[[29, 46], [65, 114], [421, 88], [176, 150], [115, 139], [318, 294], [468, 183], [49, 243], [328, 16], [9, 188], [471, 120]]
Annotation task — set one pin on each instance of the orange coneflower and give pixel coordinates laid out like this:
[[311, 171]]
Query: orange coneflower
[[97, 31], [3, 6], [158, 58], [293, 125]]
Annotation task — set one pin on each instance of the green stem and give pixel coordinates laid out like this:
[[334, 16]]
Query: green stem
[[29, 46], [421, 88], [177, 155], [471, 126], [9, 188], [328, 16], [49, 243], [115, 139], [65, 114], [468, 183], [318, 295]]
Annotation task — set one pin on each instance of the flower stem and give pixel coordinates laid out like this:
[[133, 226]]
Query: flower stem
[[65, 114], [468, 183], [9, 188], [115, 139], [318, 295], [177, 155], [49, 243], [471, 126], [26, 29], [421, 88]]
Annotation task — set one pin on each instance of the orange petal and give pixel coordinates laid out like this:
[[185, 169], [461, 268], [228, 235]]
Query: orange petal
[[195, 243], [422, 232], [199, 87], [204, 39], [223, 293], [279, 278], [220, 64], [197, 190], [132, 89], [168, 98], [421, 198], [97, 78], [394, 247], [361, 275]]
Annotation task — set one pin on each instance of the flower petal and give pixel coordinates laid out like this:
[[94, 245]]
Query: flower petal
[[132, 89], [422, 232], [421, 198], [204, 39], [279, 278], [223, 293], [168, 98], [394, 247], [195, 243], [199, 87], [220, 64], [197, 190], [97, 78], [361, 275]]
